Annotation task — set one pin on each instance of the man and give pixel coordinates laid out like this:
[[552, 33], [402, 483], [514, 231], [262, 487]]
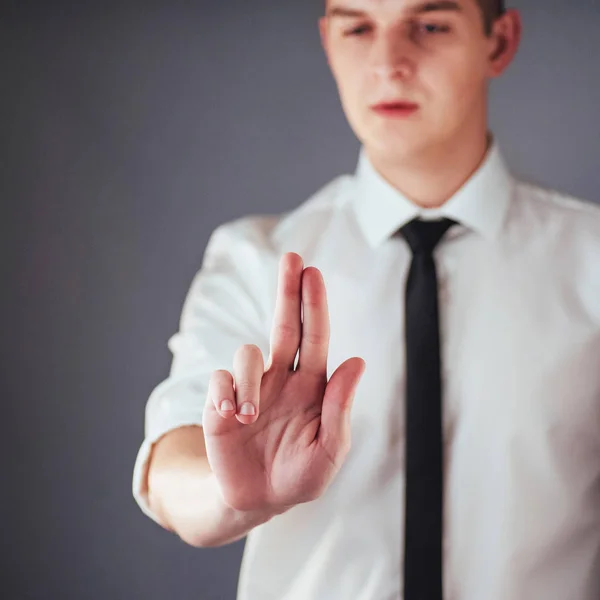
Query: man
[[464, 462]]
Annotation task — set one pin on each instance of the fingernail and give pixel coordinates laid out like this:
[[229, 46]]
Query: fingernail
[[227, 405], [247, 409]]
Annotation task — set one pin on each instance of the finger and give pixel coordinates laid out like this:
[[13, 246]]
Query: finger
[[314, 344], [215, 419], [334, 433], [248, 370], [222, 393], [287, 325]]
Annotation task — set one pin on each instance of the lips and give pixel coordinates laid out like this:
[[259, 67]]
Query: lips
[[398, 105], [396, 109]]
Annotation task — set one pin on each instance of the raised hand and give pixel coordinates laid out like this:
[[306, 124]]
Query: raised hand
[[289, 450]]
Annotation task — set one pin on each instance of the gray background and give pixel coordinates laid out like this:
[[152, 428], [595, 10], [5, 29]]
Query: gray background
[[128, 132]]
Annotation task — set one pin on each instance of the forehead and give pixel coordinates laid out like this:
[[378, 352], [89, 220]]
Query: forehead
[[398, 5]]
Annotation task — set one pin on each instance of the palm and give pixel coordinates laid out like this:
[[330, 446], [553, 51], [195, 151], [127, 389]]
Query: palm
[[293, 449]]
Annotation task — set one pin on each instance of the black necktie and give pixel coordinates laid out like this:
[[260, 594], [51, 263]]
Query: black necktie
[[424, 444]]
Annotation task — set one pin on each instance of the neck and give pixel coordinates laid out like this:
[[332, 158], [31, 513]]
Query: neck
[[431, 179]]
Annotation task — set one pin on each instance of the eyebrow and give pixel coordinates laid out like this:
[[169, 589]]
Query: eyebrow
[[426, 7]]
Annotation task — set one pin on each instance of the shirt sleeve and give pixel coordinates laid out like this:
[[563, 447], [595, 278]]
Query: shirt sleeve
[[227, 305]]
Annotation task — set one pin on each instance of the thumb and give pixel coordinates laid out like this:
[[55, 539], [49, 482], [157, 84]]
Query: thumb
[[337, 404]]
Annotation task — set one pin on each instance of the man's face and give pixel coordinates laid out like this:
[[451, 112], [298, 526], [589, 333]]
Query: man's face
[[432, 54]]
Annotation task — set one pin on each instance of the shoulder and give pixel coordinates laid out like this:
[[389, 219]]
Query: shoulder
[[277, 232], [556, 203], [563, 233], [303, 226], [563, 230], [558, 210]]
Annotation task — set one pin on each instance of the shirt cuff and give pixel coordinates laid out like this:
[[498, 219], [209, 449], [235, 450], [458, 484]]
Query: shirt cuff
[[140, 469]]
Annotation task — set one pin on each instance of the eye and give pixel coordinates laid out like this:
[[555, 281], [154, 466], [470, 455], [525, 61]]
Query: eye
[[358, 31], [432, 28]]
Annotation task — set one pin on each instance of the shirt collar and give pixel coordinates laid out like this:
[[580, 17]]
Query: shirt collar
[[480, 204]]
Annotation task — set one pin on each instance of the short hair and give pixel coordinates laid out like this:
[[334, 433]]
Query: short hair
[[491, 9]]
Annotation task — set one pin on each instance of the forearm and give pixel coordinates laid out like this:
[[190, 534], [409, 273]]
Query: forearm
[[185, 495]]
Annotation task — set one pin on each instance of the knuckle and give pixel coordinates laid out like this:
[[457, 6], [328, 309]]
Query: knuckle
[[221, 378], [314, 338], [245, 387], [245, 390], [286, 332], [290, 289], [245, 383]]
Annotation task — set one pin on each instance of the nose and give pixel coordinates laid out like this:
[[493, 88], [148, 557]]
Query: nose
[[392, 57]]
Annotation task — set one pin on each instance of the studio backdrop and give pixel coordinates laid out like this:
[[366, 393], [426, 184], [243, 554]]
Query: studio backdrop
[[128, 132]]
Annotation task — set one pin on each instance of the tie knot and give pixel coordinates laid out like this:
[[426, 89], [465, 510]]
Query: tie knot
[[423, 236]]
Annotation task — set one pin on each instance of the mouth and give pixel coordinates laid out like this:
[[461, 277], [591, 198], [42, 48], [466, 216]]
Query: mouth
[[398, 109]]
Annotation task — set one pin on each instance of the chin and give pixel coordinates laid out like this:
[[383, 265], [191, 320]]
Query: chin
[[397, 147]]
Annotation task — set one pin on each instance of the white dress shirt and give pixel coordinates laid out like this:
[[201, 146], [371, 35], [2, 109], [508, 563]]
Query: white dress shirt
[[520, 340]]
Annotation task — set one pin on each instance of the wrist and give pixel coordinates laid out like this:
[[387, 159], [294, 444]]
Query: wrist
[[252, 518]]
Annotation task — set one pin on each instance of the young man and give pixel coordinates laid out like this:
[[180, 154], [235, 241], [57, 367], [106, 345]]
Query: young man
[[464, 462]]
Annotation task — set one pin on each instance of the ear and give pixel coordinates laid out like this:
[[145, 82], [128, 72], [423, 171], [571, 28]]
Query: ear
[[324, 38], [324, 32], [505, 39]]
